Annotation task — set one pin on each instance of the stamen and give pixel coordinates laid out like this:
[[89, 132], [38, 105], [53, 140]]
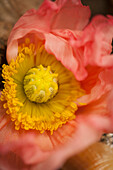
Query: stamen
[[39, 92]]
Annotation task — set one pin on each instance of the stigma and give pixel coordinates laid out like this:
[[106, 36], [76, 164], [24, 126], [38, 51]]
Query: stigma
[[40, 84]]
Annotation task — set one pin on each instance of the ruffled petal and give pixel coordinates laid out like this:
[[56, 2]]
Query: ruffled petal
[[99, 101], [60, 44], [97, 110], [93, 77], [95, 42], [103, 85], [46, 19]]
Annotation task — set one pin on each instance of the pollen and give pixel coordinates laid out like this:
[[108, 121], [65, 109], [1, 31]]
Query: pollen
[[39, 92]]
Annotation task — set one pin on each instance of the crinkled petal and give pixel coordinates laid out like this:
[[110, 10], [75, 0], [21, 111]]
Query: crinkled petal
[[46, 19], [95, 42], [93, 77], [60, 43], [103, 85], [99, 101]]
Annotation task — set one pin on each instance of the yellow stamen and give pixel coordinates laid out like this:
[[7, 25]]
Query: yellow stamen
[[51, 102]]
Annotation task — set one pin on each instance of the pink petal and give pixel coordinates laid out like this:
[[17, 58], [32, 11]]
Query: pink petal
[[31, 146], [93, 77], [73, 15], [89, 129], [63, 134], [81, 139], [46, 19], [99, 102], [85, 135], [23, 143], [110, 107], [11, 161], [40, 21], [95, 42], [62, 50], [103, 85]]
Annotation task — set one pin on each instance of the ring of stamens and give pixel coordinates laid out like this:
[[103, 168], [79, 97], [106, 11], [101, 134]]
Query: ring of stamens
[[59, 94]]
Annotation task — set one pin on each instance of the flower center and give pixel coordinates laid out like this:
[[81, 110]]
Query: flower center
[[39, 92], [40, 84]]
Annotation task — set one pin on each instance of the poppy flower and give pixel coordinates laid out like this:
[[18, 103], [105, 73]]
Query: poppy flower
[[57, 87]]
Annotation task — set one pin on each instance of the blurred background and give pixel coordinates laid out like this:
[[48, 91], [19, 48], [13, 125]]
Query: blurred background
[[100, 155], [100, 6]]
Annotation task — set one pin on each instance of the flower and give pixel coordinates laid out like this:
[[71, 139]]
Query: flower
[[57, 87]]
